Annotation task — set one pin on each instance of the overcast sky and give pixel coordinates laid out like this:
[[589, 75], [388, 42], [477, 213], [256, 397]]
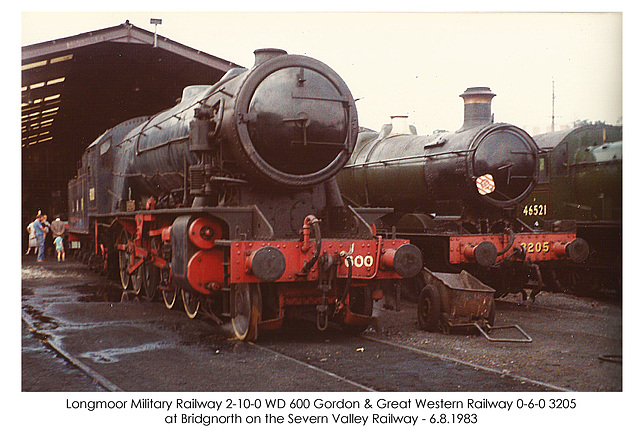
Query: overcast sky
[[415, 64]]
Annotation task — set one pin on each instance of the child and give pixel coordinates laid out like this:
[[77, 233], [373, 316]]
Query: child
[[59, 248]]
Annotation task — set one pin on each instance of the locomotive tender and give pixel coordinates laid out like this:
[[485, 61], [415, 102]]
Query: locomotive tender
[[228, 201], [581, 187], [455, 196]]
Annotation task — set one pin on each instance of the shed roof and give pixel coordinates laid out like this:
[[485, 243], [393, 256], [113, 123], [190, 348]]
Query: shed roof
[[74, 88]]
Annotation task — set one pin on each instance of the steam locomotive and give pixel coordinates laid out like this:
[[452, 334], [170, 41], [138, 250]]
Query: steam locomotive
[[456, 194], [581, 187], [228, 202]]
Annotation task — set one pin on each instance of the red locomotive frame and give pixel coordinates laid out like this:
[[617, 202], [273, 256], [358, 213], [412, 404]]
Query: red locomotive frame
[[534, 246]]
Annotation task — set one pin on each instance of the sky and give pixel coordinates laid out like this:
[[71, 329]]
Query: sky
[[412, 63]]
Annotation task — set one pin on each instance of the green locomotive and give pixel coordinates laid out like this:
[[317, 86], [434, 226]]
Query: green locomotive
[[580, 186]]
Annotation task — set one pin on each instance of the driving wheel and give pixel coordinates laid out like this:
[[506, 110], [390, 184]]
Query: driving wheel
[[137, 280], [191, 303], [123, 259], [246, 308], [151, 276], [170, 296]]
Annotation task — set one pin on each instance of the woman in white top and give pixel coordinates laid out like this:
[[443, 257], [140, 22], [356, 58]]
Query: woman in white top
[[33, 242]]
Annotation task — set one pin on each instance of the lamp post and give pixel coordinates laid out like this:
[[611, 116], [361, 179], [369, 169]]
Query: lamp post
[[155, 22]]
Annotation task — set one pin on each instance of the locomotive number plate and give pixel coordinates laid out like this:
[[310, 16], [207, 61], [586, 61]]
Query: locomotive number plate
[[535, 210], [536, 247]]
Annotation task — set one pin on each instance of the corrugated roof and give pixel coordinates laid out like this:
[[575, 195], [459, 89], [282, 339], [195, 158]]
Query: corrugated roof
[[48, 66], [123, 33]]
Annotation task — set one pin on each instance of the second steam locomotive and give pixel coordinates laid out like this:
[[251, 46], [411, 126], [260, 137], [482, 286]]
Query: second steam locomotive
[[455, 195], [581, 188], [228, 202]]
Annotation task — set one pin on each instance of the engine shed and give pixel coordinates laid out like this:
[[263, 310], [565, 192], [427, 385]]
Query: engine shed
[[75, 88]]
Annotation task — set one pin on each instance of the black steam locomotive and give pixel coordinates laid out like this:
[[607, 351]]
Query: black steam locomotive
[[455, 196], [228, 201]]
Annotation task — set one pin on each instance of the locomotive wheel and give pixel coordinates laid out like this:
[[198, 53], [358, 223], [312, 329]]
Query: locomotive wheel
[[191, 303], [246, 308], [137, 280], [150, 280], [151, 276], [429, 308], [123, 259], [170, 296]]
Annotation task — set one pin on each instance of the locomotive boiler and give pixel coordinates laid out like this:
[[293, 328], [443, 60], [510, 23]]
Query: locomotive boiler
[[581, 187], [470, 172], [455, 195], [228, 202]]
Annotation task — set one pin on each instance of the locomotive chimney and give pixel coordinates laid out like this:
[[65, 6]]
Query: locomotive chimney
[[477, 107], [263, 55]]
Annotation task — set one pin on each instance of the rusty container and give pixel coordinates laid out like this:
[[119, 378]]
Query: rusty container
[[463, 298]]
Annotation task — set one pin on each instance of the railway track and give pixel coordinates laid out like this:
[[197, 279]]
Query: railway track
[[376, 364], [361, 363], [52, 344], [138, 346]]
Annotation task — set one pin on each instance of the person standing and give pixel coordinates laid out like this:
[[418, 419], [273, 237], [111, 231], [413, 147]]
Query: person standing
[[33, 242], [57, 228], [57, 231], [41, 233], [59, 247], [47, 225]]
